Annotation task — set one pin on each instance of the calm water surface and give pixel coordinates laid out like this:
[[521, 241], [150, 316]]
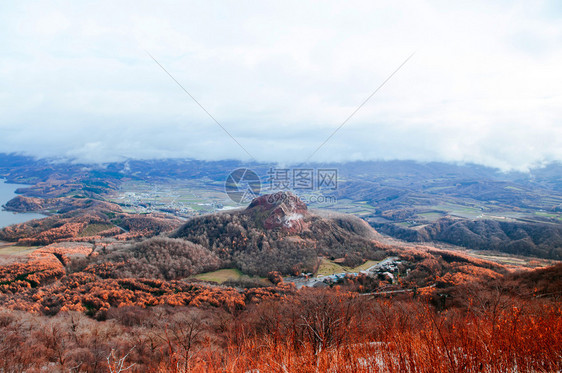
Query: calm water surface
[[7, 217]]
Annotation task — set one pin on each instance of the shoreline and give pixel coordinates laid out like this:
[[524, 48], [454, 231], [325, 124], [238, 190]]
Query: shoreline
[[8, 217]]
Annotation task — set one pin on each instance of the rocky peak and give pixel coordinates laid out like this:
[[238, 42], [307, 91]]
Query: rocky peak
[[280, 210]]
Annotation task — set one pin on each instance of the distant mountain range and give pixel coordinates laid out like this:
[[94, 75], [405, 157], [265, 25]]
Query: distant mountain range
[[467, 205]]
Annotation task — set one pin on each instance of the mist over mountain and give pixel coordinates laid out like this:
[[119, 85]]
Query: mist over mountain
[[280, 82]]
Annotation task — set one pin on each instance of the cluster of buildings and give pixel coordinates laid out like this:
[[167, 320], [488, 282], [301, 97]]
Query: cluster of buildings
[[146, 202], [386, 269]]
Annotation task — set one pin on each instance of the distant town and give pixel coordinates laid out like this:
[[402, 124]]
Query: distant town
[[386, 269]]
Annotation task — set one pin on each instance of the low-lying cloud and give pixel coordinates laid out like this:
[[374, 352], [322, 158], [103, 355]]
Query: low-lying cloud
[[484, 86]]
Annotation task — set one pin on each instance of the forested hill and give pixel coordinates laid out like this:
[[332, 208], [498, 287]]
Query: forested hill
[[282, 236], [527, 239]]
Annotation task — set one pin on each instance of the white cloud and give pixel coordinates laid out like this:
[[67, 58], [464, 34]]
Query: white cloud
[[485, 85]]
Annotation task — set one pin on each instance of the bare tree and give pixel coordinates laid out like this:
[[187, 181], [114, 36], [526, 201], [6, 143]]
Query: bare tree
[[118, 364]]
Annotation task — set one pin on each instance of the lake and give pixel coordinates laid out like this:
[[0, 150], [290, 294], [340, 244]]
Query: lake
[[8, 217]]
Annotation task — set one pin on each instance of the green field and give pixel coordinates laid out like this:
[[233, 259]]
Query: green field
[[94, 229], [431, 216], [505, 258], [16, 250], [328, 267], [364, 266], [227, 274], [188, 197], [221, 275], [549, 215]]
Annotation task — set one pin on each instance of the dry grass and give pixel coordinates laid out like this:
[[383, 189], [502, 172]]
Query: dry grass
[[328, 267], [222, 275], [12, 249]]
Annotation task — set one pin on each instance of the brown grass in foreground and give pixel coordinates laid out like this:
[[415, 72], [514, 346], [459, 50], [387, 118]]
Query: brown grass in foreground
[[310, 331]]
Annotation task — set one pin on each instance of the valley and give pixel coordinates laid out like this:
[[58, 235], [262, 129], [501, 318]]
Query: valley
[[280, 187], [143, 251]]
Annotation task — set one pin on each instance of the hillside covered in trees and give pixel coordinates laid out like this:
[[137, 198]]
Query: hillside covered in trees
[[103, 304], [282, 235], [529, 239], [509, 323]]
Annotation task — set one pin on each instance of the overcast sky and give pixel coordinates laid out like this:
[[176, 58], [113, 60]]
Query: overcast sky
[[484, 86]]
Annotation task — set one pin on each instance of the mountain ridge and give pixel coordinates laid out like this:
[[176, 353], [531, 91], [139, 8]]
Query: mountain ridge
[[277, 232]]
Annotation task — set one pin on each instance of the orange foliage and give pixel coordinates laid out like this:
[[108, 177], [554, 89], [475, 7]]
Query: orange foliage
[[59, 252], [68, 226], [85, 292], [307, 331], [466, 274]]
